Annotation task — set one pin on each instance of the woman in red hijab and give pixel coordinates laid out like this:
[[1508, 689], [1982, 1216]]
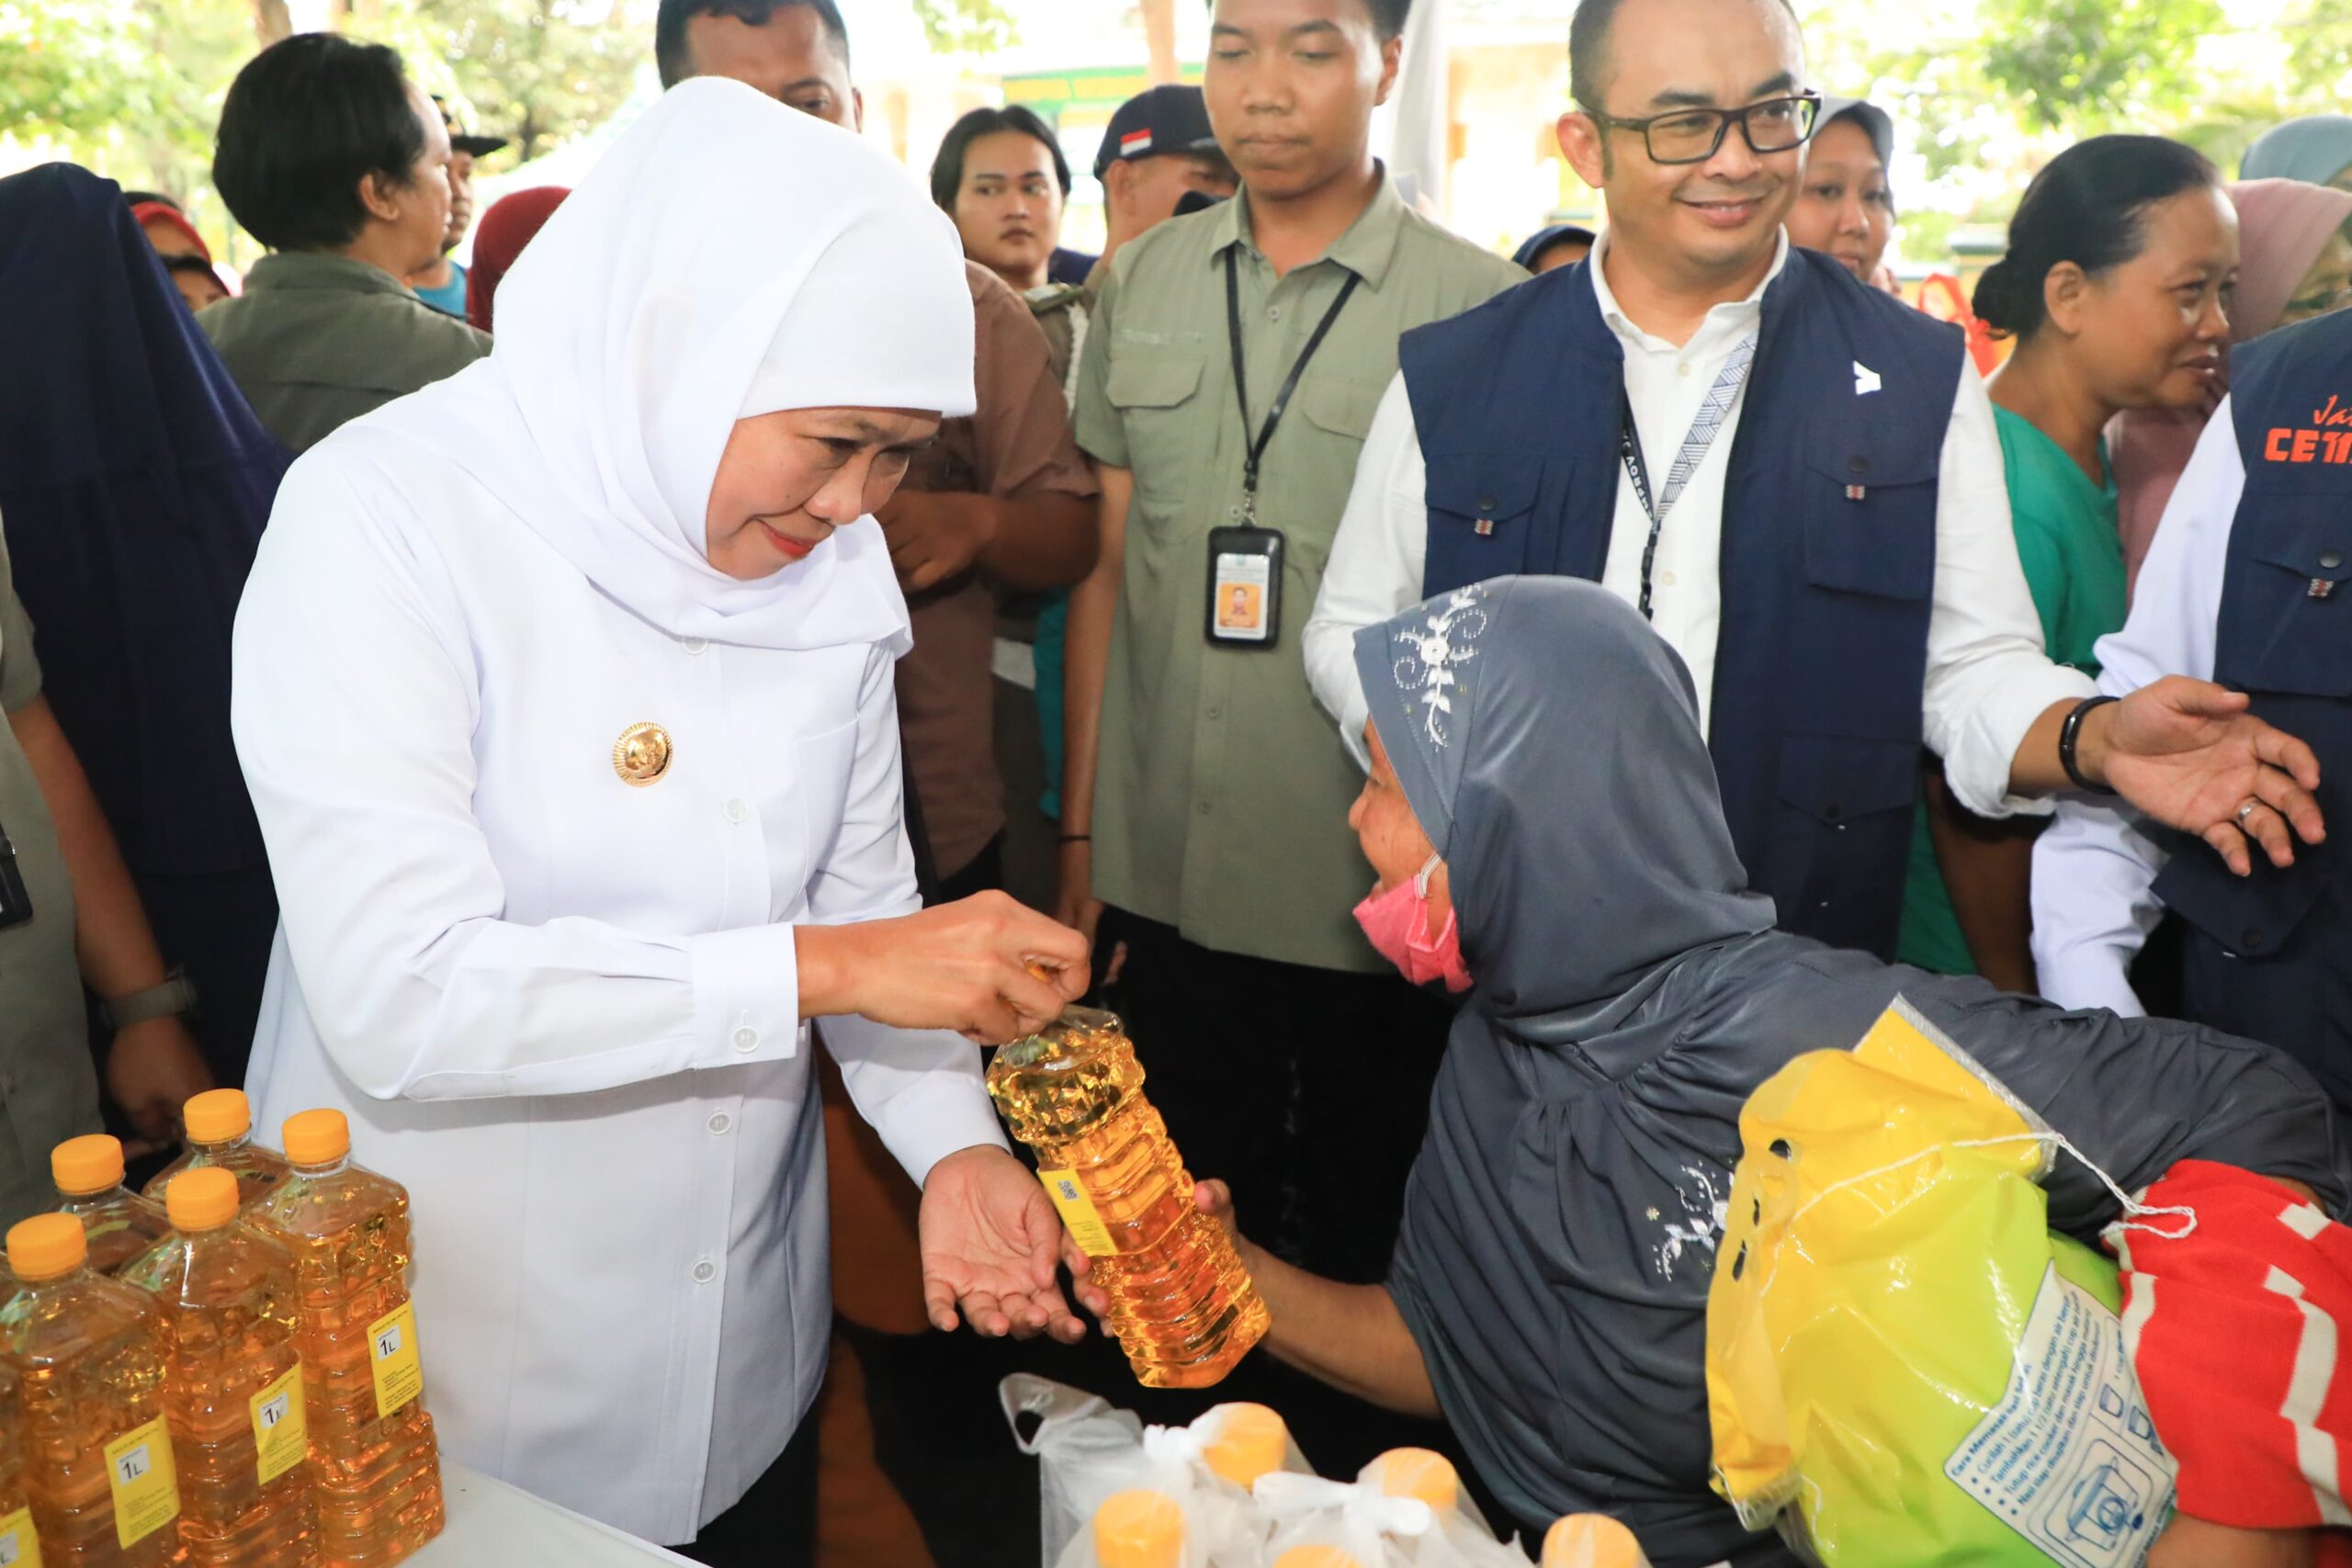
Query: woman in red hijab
[[505, 230]]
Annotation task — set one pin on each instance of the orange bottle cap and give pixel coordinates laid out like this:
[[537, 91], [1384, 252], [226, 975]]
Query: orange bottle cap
[[1316, 1557], [317, 1137], [218, 1116], [46, 1246], [1139, 1529], [1251, 1441], [1591, 1541], [204, 1198], [1416, 1473], [92, 1163]]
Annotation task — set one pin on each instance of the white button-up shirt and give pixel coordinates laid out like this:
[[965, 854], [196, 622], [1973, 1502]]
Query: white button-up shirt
[[1987, 677], [2095, 870], [563, 1009]]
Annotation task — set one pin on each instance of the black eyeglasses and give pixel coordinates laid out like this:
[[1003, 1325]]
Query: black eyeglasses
[[1693, 136]]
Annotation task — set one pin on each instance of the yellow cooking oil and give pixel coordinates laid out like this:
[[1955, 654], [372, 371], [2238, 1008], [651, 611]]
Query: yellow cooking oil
[[91, 1351], [120, 1223], [233, 1392], [19, 1543], [374, 1461], [1181, 1304], [219, 1127]]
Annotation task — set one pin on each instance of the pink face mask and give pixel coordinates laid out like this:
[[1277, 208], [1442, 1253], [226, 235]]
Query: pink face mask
[[1396, 923]]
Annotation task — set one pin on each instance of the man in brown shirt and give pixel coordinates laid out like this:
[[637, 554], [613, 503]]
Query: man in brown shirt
[[1011, 476]]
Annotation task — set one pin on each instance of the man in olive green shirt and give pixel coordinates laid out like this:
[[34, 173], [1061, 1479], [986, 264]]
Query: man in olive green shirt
[[327, 330], [1206, 799]]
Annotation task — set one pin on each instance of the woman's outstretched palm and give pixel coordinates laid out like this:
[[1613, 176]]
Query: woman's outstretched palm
[[991, 1239]]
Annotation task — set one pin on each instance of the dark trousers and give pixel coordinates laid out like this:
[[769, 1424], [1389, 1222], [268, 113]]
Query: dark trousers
[[1307, 1091], [775, 1523]]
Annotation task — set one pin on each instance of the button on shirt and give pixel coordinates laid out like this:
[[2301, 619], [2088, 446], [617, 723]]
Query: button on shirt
[[2095, 870], [1987, 677], [316, 340], [1209, 755], [563, 1009]]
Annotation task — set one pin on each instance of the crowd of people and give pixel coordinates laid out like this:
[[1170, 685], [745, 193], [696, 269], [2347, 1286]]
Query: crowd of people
[[716, 662]]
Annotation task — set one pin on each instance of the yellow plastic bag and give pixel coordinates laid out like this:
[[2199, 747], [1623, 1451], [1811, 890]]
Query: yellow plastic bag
[[1903, 1364]]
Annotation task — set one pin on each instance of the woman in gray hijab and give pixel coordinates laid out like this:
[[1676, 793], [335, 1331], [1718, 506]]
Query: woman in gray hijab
[[1541, 796]]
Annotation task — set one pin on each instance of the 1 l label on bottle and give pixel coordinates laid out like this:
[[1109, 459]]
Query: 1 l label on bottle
[[19, 1547], [391, 1346], [281, 1425], [1086, 1227], [145, 1484]]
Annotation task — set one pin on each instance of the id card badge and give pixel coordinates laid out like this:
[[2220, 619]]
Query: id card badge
[[1244, 586]]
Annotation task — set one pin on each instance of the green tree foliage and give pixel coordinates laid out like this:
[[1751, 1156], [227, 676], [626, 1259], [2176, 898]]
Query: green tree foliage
[[537, 72]]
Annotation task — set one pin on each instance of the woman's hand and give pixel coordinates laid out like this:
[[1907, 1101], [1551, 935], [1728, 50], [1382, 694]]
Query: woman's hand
[[1215, 1198], [990, 1238], [985, 967], [152, 1070]]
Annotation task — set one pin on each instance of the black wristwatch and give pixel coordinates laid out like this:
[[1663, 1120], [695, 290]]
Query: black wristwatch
[[175, 997], [2071, 733]]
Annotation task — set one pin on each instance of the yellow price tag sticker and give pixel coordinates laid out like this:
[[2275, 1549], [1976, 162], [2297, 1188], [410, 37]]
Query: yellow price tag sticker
[[391, 1347], [281, 1427], [19, 1547], [1086, 1227], [145, 1483]]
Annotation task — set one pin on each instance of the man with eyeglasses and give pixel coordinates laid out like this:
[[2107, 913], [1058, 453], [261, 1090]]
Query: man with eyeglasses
[[1795, 478]]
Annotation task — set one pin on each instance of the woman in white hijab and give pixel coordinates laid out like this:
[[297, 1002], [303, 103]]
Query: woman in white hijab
[[564, 691]]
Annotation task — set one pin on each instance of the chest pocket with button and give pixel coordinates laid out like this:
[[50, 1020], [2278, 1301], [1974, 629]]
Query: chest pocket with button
[[2286, 636], [1483, 503], [1157, 396]]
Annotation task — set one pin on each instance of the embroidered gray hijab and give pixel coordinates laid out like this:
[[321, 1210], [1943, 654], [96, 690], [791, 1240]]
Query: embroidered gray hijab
[[1582, 855]]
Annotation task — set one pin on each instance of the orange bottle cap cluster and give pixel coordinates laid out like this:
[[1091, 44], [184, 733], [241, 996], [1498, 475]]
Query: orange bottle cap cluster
[[204, 1198], [46, 1246], [1416, 1473], [1139, 1529], [317, 1137], [1251, 1441], [218, 1116], [1591, 1541], [85, 1165], [1316, 1557]]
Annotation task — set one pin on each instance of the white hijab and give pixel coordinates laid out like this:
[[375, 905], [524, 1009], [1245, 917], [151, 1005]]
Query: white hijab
[[723, 239]]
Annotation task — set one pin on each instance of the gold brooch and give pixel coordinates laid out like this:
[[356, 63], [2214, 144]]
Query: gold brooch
[[642, 754]]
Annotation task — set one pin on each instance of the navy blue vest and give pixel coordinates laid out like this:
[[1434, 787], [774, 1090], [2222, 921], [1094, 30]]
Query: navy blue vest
[[2271, 954], [1828, 548]]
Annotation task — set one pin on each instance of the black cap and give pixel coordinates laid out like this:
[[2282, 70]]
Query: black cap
[[479, 146], [1543, 239], [1171, 117]]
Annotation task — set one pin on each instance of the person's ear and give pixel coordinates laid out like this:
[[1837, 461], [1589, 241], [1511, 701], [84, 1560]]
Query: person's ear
[[857, 109], [380, 197], [1392, 59], [1581, 143], [2065, 291]]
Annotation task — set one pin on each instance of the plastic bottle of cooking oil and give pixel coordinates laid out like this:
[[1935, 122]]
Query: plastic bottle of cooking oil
[[220, 1124], [91, 1350], [235, 1390], [1418, 1472], [120, 1223], [1138, 1529], [1251, 1441], [1180, 1302], [373, 1460], [1592, 1540], [19, 1544]]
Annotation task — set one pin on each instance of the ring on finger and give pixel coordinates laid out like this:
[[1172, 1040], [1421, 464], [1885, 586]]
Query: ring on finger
[[2247, 810]]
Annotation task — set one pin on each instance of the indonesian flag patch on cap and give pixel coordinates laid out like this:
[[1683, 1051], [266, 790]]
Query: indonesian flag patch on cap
[[1136, 143]]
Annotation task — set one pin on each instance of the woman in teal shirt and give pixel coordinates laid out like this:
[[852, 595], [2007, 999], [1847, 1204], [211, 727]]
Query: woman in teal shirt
[[2121, 258]]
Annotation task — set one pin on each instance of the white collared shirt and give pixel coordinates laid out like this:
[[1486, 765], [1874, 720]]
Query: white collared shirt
[[2095, 870], [1987, 678], [563, 1011]]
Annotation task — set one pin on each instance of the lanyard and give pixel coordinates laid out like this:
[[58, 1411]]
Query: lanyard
[[1704, 425], [1254, 450]]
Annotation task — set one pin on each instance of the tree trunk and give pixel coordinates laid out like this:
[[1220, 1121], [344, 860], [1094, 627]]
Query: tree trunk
[[1159, 37], [272, 21]]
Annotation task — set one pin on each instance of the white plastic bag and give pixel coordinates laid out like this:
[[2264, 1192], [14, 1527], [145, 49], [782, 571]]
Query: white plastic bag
[[1374, 1530], [1459, 1536], [1089, 1452]]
